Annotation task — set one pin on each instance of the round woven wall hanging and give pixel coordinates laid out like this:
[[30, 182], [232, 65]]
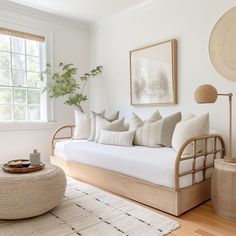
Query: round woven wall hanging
[[222, 45]]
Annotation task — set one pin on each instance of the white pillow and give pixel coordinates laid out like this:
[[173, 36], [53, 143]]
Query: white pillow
[[136, 122], [82, 125], [113, 117], [93, 124], [159, 133], [124, 138], [186, 129], [104, 124]]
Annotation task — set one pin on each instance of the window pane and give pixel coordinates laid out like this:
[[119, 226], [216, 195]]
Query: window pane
[[4, 42], [32, 48], [34, 96], [33, 64], [19, 112], [18, 45], [18, 61], [33, 80], [5, 77], [18, 77], [20, 96], [5, 113], [33, 112], [5, 95], [5, 60]]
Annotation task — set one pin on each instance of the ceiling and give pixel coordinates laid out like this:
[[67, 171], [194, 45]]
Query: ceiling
[[84, 10]]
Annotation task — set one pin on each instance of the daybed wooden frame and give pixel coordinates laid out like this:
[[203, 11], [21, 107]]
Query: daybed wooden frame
[[172, 200]]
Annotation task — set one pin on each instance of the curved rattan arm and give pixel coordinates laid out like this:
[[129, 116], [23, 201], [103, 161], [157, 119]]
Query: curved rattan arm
[[55, 138], [217, 141]]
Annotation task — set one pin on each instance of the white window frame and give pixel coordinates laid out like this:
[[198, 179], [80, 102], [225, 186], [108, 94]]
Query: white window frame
[[49, 119], [43, 97]]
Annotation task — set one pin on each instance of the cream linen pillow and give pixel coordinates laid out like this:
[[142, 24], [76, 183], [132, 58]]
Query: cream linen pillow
[[113, 117], [124, 138], [82, 125], [193, 127], [104, 124], [93, 124], [136, 122], [157, 134]]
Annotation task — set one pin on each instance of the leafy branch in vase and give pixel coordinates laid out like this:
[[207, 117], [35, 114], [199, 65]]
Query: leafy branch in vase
[[64, 83]]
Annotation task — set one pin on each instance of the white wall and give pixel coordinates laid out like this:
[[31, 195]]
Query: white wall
[[190, 22], [68, 43]]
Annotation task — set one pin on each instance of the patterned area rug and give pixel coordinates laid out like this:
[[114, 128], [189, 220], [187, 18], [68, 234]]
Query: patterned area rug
[[89, 211]]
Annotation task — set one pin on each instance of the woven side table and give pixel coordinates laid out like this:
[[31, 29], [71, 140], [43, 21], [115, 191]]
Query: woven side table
[[223, 189], [32, 194]]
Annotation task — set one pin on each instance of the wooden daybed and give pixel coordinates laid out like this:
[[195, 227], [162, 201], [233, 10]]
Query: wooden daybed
[[174, 200]]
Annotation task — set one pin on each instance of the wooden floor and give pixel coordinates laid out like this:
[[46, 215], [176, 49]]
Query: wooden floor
[[202, 221]]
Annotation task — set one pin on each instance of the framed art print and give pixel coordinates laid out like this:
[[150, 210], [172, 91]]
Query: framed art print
[[153, 74]]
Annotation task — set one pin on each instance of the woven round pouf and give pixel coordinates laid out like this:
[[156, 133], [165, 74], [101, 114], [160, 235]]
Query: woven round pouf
[[32, 194]]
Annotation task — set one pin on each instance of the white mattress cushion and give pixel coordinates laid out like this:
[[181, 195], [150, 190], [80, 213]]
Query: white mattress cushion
[[155, 165]]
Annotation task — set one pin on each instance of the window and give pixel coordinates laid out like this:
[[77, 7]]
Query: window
[[22, 58]]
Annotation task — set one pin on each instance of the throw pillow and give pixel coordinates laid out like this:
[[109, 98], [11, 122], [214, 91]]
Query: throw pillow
[[82, 125], [103, 123], [93, 124], [157, 134], [124, 138], [136, 122], [193, 127]]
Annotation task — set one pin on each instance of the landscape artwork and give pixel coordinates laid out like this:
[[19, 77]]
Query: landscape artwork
[[153, 74]]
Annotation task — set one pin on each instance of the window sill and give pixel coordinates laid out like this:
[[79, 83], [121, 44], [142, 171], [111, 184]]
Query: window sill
[[23, 126]]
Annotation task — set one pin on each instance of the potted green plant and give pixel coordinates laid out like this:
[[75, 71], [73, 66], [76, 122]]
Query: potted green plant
[[65, 84]]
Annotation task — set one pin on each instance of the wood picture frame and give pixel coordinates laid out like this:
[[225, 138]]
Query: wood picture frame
[[153, 74]]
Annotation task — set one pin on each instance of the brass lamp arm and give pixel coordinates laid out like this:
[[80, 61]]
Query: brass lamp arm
[[225, 94]]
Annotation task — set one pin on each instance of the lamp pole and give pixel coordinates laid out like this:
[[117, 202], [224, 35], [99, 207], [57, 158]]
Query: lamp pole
[[229, 95]]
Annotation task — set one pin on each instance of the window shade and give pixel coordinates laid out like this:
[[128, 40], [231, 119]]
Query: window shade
[[21, 34]]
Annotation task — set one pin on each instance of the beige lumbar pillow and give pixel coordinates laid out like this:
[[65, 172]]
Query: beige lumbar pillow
[[104, 124], [124, 138], [82, 125], [137, 122], [189, 128], [93, 116], [157, 134]]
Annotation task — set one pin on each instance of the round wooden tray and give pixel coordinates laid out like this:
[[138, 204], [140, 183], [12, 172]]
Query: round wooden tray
[[23, 170]]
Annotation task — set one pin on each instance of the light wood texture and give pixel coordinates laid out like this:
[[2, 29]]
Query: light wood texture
[[224, 189], [222, 45], [55, 138], [174, 201], [165, 199], [22, 34], [205, 152], [202, 221]]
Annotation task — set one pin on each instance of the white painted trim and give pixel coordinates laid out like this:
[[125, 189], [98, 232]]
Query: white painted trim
[[49, 39], [42, 15], [23, 126]]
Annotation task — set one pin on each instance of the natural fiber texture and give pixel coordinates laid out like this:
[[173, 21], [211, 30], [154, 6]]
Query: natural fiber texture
[[223, 189], [31, 194], [88, 211]]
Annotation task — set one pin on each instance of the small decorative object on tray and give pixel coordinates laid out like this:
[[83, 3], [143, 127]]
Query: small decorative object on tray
[[18, 163], [22, 166], [35, 158]]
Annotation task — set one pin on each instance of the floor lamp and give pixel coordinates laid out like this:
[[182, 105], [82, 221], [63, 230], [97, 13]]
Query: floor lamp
[[208, 94]]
